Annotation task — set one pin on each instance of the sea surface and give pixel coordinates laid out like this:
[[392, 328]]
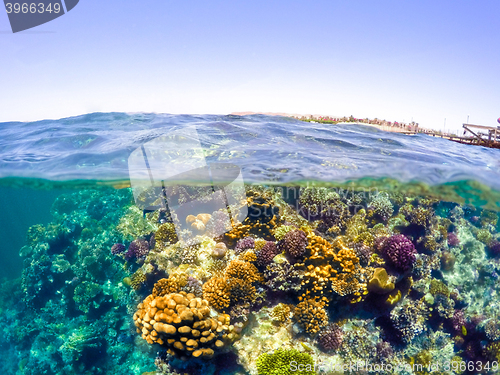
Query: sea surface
[[66, 201]]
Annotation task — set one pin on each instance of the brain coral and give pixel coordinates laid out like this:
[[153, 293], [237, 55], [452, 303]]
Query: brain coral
[[400, 251], [182, 323]]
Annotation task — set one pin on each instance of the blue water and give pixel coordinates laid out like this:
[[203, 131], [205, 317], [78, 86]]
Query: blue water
[[67, 300], [96, 146]]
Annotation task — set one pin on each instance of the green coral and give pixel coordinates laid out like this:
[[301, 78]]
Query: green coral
[[279, 232], [438, 287], [80, 340], [285, 362], [484, 236], [85, 294], [489, 217], [133, 224], [356, 225], [35, 234]]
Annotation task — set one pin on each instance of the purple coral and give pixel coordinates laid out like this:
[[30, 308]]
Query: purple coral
[[400, 251], [331, 338], [494, 248], [118, 248], [193, 286], [267, 253], [294, 244], [458, 321], [244, 244], [137, 249], [453, 239], [363, 252]]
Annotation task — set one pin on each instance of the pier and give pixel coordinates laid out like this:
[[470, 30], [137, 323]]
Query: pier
[[480, 135]]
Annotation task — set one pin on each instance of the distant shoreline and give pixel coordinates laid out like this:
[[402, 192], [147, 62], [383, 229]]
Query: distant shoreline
[[395, 126]]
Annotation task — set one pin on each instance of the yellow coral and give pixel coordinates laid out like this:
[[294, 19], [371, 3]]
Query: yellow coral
[[249, 256], [380, 283], [332, 267], [260, 222], [171, 285], [240, 269], [166, 234], [164, 286], [259, 244], [138, 279], [281, 313], [184, 324], [233, 286], [311, 315], [216, 292]]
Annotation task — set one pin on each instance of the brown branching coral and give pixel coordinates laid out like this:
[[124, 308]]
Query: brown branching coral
[[239, 269], [173, 284], [241, 291], [234, 286], [281, 313], [263, 217], [249, 256], [164, 286], [216, 292], [311, 315], [137, 280], [182, 323]]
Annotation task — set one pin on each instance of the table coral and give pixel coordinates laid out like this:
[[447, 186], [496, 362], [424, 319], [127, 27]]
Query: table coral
[[183, 323]]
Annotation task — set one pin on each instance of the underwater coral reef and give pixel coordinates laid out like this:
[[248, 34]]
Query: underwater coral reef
[[313, 279]]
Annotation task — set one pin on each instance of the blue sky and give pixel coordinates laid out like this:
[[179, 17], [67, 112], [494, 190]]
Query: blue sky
[[425, 61]]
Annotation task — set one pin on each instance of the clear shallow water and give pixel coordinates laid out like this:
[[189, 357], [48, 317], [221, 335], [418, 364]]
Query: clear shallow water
[[352, 191]]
